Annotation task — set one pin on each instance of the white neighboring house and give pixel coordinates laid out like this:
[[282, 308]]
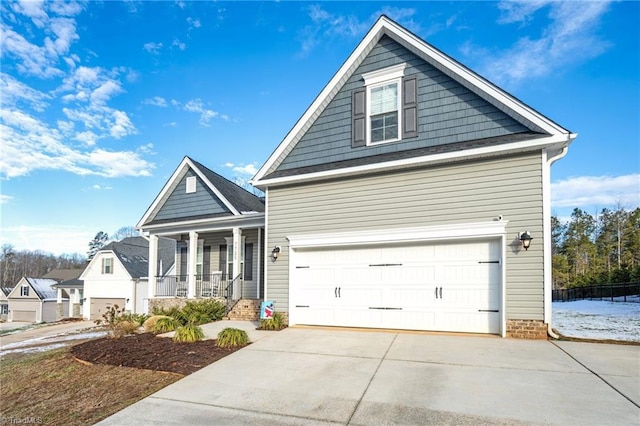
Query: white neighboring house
[[117, 275], [33, 300]]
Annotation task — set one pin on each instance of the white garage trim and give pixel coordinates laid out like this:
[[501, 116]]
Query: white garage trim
[[495, 230], [425, 233]]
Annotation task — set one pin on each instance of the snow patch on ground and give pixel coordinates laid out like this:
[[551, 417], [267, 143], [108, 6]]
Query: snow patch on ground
[[598, 319], [41, 344]]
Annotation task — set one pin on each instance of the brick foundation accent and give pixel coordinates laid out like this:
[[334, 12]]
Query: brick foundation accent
[[76, 310], [526, 329], [59, 313], [245, 310]]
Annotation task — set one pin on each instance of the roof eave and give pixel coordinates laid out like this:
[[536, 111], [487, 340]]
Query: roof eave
[[427, 160]]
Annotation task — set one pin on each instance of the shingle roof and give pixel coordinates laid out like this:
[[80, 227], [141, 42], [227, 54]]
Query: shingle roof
[[42, 287], [240, 198], [63, 274], [6, 290], [133, 253]]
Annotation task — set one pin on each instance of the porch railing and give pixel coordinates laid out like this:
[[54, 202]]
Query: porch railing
[[234, 296], [207, 286]]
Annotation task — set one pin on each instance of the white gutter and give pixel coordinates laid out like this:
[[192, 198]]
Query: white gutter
[[547, 256]]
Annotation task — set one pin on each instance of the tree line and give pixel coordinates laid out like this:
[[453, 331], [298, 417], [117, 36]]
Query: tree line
[[596, 249], [15, 264]]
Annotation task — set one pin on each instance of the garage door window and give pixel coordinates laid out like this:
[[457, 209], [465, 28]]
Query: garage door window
[[24, 290]]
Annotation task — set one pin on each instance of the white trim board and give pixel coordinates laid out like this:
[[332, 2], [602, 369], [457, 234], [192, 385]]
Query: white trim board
[[403, 235]]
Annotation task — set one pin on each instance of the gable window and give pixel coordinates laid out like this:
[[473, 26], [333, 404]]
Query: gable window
[[385, 109], [24, 290], [107, 265], [384, 112], [191, 184]]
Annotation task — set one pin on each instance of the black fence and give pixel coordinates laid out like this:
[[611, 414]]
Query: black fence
[[619, 292]]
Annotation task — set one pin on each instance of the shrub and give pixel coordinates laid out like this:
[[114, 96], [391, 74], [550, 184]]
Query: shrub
[[165, 325], [150, 323], [136, 318], [173, 311], [232, 337], [274, 323], [188, 334], [201, 312], [124, 327], [116, 321]]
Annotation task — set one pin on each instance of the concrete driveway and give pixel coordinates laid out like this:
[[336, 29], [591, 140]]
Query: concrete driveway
[[313, 376]]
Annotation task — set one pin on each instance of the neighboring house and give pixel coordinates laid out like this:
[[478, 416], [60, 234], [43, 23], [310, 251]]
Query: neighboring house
[[69, 285], [218, 228], [4, 303], [117, 275], [33, 300], [402, 196]]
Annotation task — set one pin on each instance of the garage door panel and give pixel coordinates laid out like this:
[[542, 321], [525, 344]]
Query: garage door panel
[[394, 286], [26, 316]]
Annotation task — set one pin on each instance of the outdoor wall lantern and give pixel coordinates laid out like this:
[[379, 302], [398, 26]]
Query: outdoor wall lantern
[[525, 238], [275, 252]]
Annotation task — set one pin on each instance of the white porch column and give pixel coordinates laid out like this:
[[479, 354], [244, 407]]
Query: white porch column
[[191, 266], [59, 295], [73, 296], [153, 265], [237, 241]]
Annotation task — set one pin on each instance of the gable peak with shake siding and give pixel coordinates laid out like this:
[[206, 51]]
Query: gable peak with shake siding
[[444, 112], [195, 192]]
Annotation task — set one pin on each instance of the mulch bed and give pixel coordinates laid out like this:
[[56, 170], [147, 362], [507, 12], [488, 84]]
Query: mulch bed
[[150, 352]]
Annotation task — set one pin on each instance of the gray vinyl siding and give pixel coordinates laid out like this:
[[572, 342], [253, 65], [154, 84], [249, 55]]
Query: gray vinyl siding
[[456, 193], [180, 205], [447, 113]]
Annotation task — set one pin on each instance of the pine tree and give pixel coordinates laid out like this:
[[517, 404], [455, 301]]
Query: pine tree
[[95, 245]]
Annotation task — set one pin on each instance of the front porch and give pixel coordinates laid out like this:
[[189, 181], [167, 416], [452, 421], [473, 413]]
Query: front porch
[[205, 262]]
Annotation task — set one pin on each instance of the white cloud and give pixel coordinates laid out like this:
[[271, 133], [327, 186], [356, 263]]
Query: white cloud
[[327, 26], [4, 199], [155, 101], [243, 169], [106, 91], [153, 48], [15, 92], [197, 106], [193, 22], [121, 126], [28, 141], [568, 38], [596, 191], [178, 44], [171, 124]]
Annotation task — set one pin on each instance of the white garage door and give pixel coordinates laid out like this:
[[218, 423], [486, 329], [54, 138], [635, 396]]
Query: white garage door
[[444, 286]]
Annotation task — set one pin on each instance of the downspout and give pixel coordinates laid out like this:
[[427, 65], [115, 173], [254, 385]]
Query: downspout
[[548, 276]]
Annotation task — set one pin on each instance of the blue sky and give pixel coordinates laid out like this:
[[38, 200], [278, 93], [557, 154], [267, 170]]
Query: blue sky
[[102, 100]]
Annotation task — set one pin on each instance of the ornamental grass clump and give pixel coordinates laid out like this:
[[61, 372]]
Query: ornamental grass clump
[[232, 337], [165, 325], [188, 334], [274, 323]]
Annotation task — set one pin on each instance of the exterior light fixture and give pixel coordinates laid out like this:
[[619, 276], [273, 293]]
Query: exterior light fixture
[[275, 252], [525, 238]]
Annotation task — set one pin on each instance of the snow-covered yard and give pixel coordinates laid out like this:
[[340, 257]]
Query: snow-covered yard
[[598, 319]]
